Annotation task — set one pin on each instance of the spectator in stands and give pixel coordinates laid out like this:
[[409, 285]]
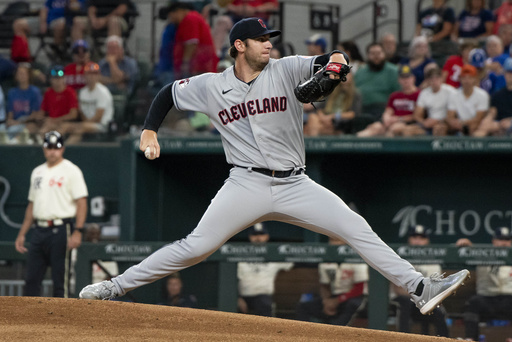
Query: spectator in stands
[[164, 69], [240, 9], [341, 113], [436, 22], [316, 45], [7, 68], [194, 52], [54, 17], [419, 57], [342, 292], [352, 50], [505, 34], [475, 21], [75, 71], [493, 297], [389, 43], [406, 310], [174, 295], [96, 107], [469, 105], [111, 15], [220, 31], [454, 63], [495, 54], [119, 72], [399, 110], [487, 80], [431, 107], [498, 121], [60, 102], [256, 279], [23, 103], [503, 15], [274, 53], [376, 80]]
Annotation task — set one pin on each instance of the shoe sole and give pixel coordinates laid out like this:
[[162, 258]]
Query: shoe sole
[[434, 302]]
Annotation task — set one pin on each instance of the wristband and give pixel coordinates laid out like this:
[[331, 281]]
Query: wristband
[[81, 229]]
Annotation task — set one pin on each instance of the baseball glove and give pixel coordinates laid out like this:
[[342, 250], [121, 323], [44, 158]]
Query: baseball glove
[[321, 85]]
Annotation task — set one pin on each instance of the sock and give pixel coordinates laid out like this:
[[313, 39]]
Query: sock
[[419, 289]]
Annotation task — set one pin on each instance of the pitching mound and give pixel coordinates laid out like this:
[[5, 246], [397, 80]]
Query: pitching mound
[[57, 319]]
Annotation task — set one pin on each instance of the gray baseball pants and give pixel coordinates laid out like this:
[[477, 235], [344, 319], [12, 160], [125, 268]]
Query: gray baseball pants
[[248, 197]]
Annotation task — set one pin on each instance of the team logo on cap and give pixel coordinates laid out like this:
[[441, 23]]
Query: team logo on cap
[[262, 23]]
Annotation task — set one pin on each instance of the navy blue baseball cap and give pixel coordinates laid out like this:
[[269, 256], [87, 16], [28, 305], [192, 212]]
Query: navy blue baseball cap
[[418, 230], [258, 229], [250, 28], [502, 233]]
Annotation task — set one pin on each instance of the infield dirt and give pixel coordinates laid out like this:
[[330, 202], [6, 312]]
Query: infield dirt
[[57, 319]]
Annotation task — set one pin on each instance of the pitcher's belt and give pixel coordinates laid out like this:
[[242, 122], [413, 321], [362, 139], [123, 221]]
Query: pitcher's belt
[[274, 173]]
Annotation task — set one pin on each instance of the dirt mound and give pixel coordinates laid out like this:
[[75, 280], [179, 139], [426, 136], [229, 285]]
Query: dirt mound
[[57, 319]]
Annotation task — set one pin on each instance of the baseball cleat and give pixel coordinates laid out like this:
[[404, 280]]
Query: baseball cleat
[[436, 289], [104, 290]]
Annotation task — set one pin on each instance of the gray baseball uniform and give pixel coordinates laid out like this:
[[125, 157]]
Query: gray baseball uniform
[[261, 127]]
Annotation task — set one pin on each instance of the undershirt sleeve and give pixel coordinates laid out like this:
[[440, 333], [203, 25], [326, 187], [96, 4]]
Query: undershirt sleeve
[[161, 105]]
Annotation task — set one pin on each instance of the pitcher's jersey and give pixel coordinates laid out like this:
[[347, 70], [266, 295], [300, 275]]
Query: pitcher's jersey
[[260, 123]]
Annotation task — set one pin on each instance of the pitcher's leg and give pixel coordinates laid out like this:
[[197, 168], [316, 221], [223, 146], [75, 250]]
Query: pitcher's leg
[[237, 205], [318, 209]]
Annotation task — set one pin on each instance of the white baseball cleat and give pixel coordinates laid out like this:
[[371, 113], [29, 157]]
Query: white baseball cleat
[[436, 289], [104, 290]]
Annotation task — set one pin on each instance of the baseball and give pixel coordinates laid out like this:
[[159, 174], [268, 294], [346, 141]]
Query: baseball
[[148, 153]]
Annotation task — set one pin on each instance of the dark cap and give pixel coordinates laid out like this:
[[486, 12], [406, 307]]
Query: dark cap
[[250, 28], [53, 139], [258, 229], [477, 58], [502, 233], [80, 43], [418, 230], [317, 39], [404, 71], [57, 71]]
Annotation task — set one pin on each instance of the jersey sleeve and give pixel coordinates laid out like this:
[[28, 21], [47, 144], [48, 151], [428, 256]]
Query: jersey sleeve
[[31, 189], [297, 68], [77, 184], [192, 93]]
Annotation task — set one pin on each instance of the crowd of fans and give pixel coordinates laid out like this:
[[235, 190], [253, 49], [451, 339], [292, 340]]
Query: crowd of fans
[[422, 91]]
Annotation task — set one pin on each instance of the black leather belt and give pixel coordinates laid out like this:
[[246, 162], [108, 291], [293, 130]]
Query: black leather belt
[[274, 173]]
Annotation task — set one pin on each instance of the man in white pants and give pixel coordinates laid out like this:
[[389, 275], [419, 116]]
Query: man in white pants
[[253, 106]]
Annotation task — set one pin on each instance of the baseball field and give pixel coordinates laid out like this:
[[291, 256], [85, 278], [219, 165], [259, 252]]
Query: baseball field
[[57, 319]]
